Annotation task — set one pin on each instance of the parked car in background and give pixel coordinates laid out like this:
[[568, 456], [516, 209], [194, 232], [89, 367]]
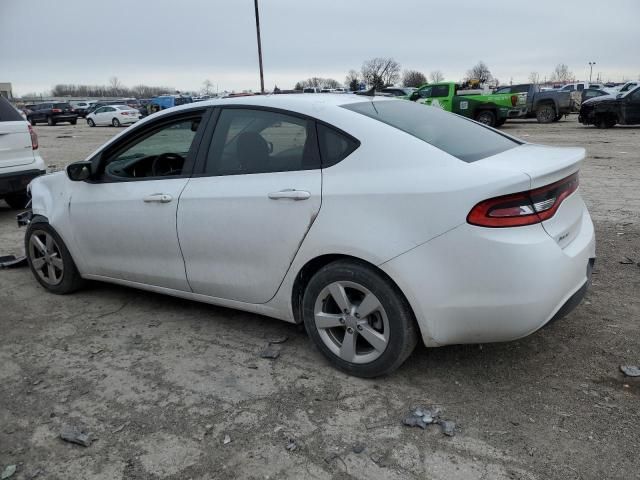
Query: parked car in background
[[52, 113], [81, 106], [399, 91], [609, 110], [546, 106], [20, 161], [623, 88], [579, 86], [114, 115], [492, 110], [305, 208], [311, 90], [169, 101], [590, 93]]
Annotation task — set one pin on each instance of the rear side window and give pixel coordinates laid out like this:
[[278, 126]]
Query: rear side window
[[7, 112], [454, 134], [61, 105], [440, 91], [335, 146]]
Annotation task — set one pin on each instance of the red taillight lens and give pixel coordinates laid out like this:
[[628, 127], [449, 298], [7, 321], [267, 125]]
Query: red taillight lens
[[34, 138], [523, 208], [514, 100], [56, 110]]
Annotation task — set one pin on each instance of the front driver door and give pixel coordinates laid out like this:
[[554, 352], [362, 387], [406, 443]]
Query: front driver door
[[242, 219], [631, 106], [124, 222]]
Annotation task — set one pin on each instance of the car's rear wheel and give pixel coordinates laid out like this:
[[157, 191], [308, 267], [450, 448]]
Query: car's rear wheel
[[605, 121], [91, 122], [546, 114], [74, 121], [50, 121], [115, 122], [32, 121], [358, 319], [487, 117], [17, 201], [50, 261]]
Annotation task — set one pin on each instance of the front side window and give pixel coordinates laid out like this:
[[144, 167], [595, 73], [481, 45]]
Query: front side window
[[440, 91], [161, 152], [99, 110], [453, 134], [249, 141]]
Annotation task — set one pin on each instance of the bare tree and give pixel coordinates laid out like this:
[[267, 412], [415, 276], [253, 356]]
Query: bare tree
[[436, 76], [116, 85], [413, 78], [562, 74], [206, 87], [317, 82], [380, 72], [352, 80], [480, 72], [534, 77]]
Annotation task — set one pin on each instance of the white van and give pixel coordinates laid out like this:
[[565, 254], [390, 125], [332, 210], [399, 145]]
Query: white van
[[20, 161], [580, 86]]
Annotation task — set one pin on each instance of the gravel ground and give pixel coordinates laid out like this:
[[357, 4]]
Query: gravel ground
[[161, 382]]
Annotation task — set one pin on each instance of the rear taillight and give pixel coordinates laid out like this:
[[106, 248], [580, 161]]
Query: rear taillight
[[56, 110], [514, 100], [34, 138], [523, 208]]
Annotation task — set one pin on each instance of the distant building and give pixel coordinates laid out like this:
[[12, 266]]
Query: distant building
[[5, 90]]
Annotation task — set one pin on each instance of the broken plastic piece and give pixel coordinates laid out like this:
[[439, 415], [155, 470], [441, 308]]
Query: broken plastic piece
[[630, 370], [11, 261]]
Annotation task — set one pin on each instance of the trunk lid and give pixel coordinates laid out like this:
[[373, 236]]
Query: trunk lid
[[546, 165], [15, 144]]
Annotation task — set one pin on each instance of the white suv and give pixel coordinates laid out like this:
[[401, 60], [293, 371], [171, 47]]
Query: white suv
[[20, 161]]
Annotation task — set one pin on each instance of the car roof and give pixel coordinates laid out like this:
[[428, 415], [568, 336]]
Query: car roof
[[313, 104]]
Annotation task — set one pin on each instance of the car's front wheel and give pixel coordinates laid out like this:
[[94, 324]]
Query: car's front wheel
[[358, 319], [50, 121], [91, 122], [115, 122], [50, 261], [487, 117]]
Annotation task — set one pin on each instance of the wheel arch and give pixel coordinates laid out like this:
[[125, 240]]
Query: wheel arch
[[315, 264]]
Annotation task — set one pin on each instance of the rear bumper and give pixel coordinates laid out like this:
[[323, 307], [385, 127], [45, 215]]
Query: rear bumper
[[479, 285], [16, 182]]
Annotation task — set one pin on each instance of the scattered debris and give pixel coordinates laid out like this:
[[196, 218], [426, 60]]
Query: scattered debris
[[628, 261], [381, 459], [280, 339], [270, 352], [154, 324], [35, 474], [120, 428], [227, 439], [630, 370], [11, 261], [358, 448], [65, 136], [422, 417], [8, 472], [252, 366], [76, 435], [291, 445]]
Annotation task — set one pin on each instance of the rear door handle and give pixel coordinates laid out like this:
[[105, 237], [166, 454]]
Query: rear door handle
[[290, 193], [158, 197]]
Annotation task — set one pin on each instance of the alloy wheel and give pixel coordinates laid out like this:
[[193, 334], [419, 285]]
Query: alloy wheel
[[351, 322], [46, 257]]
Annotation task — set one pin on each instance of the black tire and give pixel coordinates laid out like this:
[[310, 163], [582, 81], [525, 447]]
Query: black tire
[[32, 121], [402, 329], [115, 122], [17, 201], [486, 117], [501, 122], [558, 118], [70, 278], [605, 121], [73, 122], [91, 122], [546, 113], [50, 121]]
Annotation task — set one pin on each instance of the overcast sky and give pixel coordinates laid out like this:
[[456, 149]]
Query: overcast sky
[[180, 43]]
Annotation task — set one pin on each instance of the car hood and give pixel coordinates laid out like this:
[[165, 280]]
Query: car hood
[[601, 99]]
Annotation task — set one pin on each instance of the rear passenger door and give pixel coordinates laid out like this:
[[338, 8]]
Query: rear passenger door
[[243, 217]]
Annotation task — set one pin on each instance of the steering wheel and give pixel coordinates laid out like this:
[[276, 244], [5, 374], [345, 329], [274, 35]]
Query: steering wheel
[[167, 164]]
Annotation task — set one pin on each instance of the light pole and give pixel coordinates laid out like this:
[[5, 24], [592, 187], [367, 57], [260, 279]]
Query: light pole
[[259, 46], [591, 64]]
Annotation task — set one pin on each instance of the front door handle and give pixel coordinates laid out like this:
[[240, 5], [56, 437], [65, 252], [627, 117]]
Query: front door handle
[[290, 193], [158, 197]]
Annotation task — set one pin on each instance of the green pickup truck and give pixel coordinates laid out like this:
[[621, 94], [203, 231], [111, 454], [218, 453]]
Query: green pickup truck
[[492, 110]]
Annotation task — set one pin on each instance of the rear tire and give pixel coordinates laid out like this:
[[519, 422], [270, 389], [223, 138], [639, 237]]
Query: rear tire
[[486, 117], [501, 122], [50, 261], [115, 122], [605, 121], [546, 114], [50, 121], [32, 121], [378, 327], [73, 122], [17, 201], [91, 123]]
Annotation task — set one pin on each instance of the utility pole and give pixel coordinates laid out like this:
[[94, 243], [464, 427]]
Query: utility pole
[[259, 46], [591, 64]]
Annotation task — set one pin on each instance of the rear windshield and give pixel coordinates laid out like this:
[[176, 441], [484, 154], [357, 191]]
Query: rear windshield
[[7, 112], [454, 134]]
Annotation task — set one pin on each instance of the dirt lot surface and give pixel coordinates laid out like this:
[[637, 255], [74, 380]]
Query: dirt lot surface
[[160, 382]]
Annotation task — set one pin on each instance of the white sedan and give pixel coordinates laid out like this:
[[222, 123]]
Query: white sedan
[[115, 115], [373, 221]]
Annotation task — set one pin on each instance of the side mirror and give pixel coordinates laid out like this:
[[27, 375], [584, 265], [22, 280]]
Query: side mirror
[[79, 171], [414, 96]]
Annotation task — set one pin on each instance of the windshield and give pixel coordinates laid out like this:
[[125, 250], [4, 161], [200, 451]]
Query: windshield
[[458, 136]]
